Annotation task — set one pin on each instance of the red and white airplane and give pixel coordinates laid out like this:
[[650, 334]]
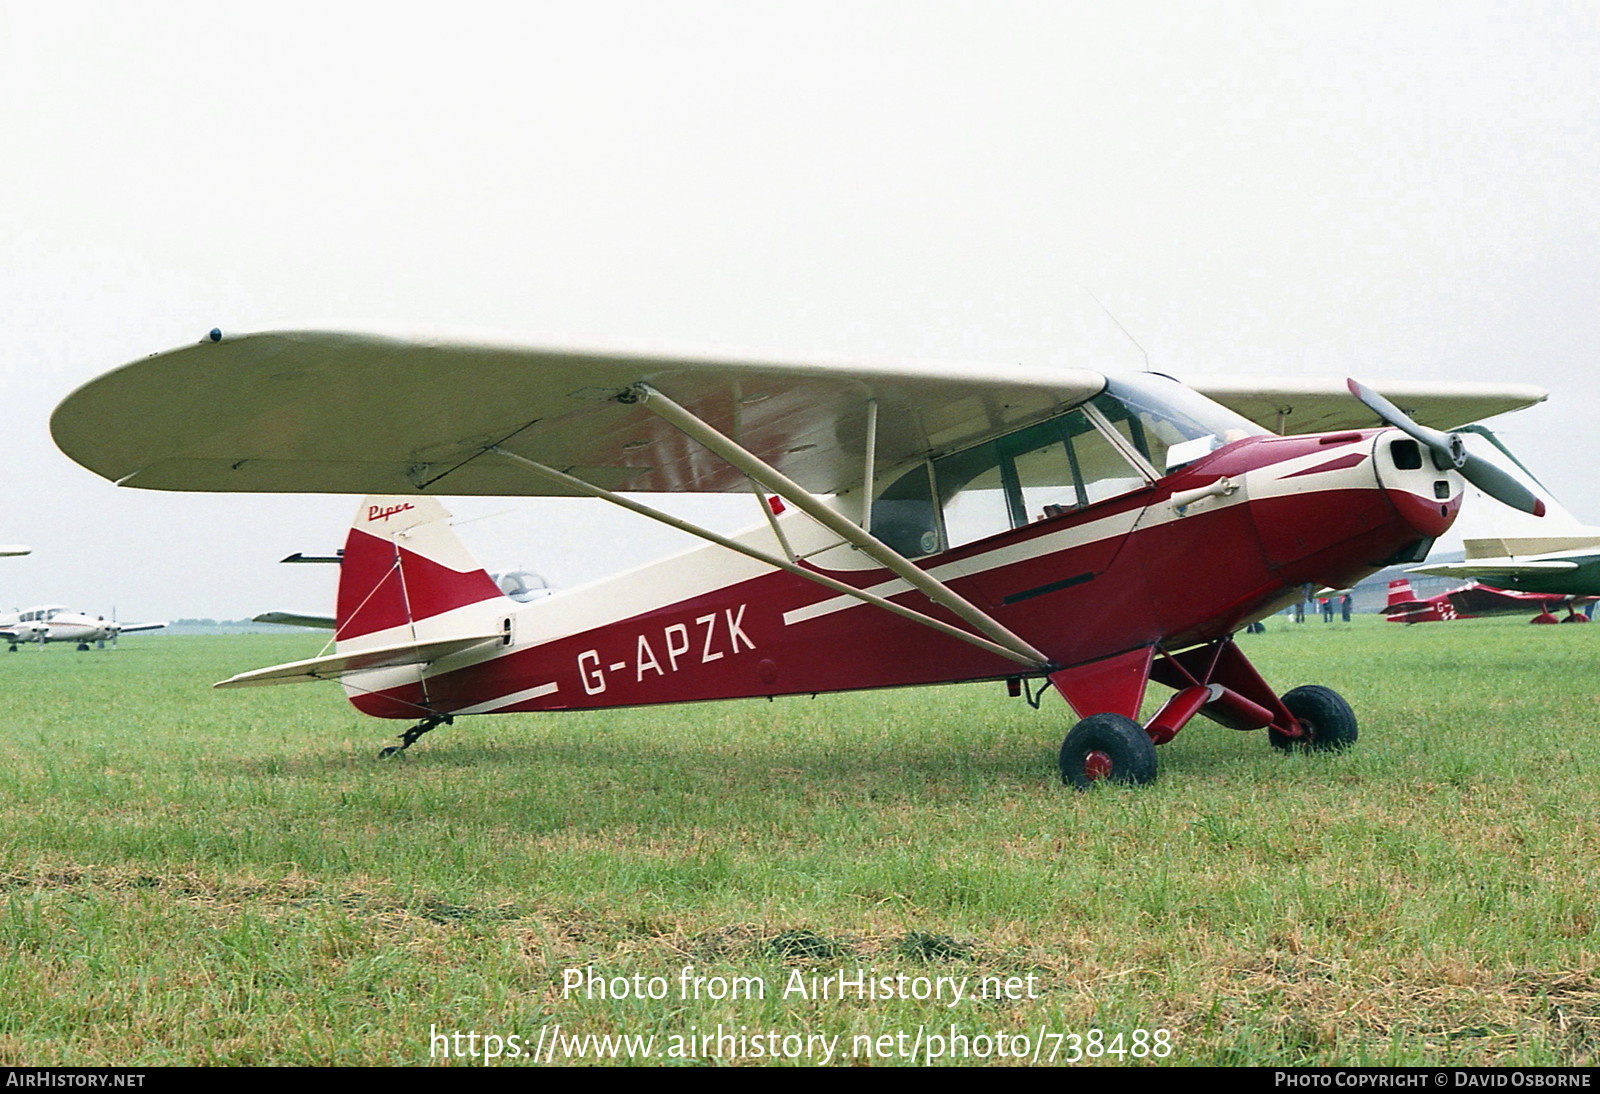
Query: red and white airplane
[[1477, 599], [915, 523]]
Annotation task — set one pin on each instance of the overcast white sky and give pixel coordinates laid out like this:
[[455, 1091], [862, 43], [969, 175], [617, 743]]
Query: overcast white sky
[[1383, 190]]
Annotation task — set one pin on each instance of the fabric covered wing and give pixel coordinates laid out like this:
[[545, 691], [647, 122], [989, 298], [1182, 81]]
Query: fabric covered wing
[[329, 412], [1324, 406], [1487, 568]]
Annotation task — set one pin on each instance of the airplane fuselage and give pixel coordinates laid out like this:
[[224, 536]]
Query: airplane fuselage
[[1192, 557]]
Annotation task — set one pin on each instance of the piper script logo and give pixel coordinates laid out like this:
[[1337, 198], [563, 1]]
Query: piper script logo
[[384, 512]]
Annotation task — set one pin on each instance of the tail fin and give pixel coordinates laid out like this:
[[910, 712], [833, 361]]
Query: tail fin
[[1400, 595], [1405, 607], [402, 566]]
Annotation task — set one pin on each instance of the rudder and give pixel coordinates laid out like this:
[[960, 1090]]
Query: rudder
[[403, 565]]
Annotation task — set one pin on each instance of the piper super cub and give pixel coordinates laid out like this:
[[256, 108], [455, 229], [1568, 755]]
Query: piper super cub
[[919, 523]]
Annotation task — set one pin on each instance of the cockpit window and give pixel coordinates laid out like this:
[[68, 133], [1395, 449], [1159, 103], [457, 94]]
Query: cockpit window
[[904, 517], [1087, 455], [1168, 423], [1045, 470]]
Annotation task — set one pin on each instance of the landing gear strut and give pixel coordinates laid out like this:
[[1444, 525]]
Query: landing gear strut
[[1215, 680], [410, 736]]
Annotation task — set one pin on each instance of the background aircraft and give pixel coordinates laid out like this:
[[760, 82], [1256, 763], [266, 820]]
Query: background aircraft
[[1476, 599], [963, 521], [57, 623], [1555, 554]]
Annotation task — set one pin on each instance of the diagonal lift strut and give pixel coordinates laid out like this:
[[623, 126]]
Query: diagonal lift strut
[[554, 475], [1018, 649]]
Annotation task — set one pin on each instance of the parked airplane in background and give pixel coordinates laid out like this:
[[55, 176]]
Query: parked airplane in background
[[1554, 554], [57, 623], [920, 523], [1475, 599]]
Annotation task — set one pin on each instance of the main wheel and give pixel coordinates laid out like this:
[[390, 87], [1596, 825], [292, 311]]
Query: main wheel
[[1328, 721], [1109, 748]]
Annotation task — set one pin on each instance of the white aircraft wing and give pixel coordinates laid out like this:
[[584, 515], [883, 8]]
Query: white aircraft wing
[[1485, 568], [1324, 406], [130, 628], [353, 413], [333, 412]]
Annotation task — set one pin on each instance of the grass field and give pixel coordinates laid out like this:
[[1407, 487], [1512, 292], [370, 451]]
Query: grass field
[[189, 876]]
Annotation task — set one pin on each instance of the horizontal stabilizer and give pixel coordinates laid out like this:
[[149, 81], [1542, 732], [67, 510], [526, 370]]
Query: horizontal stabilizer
[[295, 619], [342, 664]]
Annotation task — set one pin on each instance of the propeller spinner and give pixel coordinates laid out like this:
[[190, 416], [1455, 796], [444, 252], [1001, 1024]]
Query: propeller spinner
[[1450, 450]]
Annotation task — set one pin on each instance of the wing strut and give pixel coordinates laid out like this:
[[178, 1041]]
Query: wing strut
[[858, 537], [759, 555]]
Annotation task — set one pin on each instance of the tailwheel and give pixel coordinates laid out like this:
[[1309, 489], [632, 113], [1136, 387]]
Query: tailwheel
[[1327, 724], [409, 737], [1107, 748]]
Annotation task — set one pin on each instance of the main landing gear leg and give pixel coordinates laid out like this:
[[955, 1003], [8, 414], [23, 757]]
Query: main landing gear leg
[[1215, 679], [410, 736], [1309, 718]]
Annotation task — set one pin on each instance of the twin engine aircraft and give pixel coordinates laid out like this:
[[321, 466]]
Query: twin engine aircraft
[[58, 623], [913, 522]]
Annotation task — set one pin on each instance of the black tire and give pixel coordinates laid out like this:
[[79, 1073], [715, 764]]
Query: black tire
[[1328, 721], [1107, 748]]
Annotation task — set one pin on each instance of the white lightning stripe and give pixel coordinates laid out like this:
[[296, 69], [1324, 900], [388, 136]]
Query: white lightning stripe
[[510, 700], [1118, 524]]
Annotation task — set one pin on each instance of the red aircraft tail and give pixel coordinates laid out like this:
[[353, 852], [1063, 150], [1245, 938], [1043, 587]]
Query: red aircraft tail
[[402, 565], [1400, 596], [1403, 605]]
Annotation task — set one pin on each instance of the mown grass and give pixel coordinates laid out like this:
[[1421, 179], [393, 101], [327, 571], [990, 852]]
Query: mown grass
[[189, 876]]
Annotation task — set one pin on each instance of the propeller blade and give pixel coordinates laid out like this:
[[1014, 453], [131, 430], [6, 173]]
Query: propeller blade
[[1451, 450], [1500, 485], [1436, 440]]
